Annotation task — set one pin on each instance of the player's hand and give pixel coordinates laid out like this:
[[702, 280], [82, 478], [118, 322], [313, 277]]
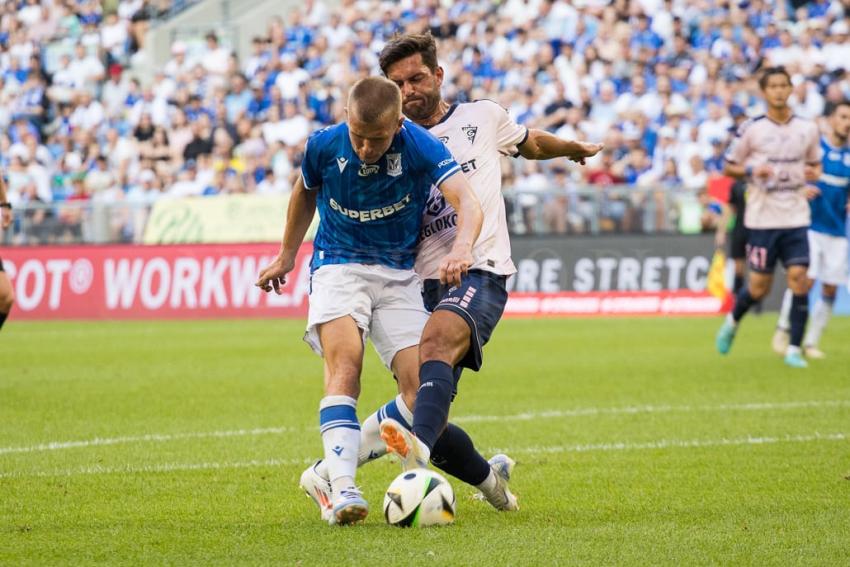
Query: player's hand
[[274, 275], [455, 265], [763, 172], [5, 217], [811, 192], [584, 150]]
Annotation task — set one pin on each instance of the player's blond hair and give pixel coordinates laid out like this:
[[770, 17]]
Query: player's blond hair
[[373, 99]]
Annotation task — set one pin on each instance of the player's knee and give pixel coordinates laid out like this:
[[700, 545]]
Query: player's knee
[[440, 346]]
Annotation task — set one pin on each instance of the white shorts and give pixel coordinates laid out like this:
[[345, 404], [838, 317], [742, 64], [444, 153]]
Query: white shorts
[[827, 258], [385, 303]]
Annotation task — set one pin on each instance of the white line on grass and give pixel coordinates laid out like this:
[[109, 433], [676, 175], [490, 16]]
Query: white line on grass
[[166, 467], [676, 444], [532, 450], [150, 438], [524, 416], [631, 410]]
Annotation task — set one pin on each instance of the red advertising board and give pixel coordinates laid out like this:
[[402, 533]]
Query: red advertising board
[[217, 281], [151, 282]]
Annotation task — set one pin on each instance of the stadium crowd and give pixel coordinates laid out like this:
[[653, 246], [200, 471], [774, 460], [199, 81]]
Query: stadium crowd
[[661, 82]]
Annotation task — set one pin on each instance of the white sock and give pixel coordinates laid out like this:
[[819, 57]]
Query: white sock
[[820, 317], [784, 322], [793, 350], [341, 439], [371, 445], [731, 320], [489, 483]]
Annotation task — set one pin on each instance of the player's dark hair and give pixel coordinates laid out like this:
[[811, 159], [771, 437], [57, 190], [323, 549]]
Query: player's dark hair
[[770, 72], [372, 98], [831, 107], [403, 46]]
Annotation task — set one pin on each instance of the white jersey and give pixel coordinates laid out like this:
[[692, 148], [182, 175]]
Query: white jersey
[[478, 134]]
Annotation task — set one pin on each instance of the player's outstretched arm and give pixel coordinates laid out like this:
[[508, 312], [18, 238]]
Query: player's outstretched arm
[[458, 192], [540, 144], [299, 215]]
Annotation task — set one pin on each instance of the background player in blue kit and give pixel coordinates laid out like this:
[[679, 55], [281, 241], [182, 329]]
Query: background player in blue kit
[[370, 179], [828, 233]]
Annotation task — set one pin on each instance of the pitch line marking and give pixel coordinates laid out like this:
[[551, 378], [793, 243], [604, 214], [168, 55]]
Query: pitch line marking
[[534, 450], [524, 416]]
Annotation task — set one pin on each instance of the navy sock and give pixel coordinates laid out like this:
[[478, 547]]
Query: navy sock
[[739, 283], [799, 316], [455, 454], [3, 318], [436, 385], [743, 302]]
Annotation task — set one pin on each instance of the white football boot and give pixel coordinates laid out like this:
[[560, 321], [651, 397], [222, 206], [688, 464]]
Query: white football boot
[[814, 352], [319, 489], [349, 507], [781, 340], [412, 452], [499, 495]]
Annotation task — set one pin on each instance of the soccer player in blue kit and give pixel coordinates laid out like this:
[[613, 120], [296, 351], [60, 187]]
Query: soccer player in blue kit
[[827, 234], [370, 178]]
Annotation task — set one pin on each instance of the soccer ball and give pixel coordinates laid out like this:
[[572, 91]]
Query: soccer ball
[[419, 497]]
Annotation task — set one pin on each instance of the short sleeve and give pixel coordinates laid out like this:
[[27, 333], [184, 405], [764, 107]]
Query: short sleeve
[[310, 169], [433, 157], [509, 134], [739, 149]]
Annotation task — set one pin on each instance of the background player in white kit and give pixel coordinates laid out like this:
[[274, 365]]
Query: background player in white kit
[[828, 233], [777, 153], [478, 135]]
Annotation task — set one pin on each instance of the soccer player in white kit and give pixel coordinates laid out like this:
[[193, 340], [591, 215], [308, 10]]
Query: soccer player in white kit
[[777, 153], [463, 316], [827, 235]]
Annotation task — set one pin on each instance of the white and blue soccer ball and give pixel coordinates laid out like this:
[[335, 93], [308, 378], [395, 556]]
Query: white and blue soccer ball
[[419, 497]]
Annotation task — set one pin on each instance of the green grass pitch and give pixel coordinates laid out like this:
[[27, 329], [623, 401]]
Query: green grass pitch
[[181, 443]]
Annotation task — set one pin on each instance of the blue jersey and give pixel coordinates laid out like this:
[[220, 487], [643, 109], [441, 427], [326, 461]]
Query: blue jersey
[[829, 209], [372, 213]]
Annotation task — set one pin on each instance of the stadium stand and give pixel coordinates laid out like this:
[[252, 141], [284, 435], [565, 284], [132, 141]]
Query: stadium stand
[[661, 82]]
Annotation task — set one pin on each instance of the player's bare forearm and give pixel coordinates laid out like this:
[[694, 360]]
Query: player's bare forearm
[[5, 212], [299, 215], [460, 196], [734, 170], [542, 145], [813, 171]]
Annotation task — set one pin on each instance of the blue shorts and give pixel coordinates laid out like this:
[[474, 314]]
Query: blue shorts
[[480, 300], [767, 245]]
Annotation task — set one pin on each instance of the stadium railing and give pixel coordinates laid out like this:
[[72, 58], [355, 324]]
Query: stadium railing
[[574, 210]]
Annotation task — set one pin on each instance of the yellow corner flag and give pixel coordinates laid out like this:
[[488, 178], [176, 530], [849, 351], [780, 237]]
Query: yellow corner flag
[[716, 285]]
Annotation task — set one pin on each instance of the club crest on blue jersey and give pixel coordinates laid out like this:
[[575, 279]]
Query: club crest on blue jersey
[[394, 165]]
